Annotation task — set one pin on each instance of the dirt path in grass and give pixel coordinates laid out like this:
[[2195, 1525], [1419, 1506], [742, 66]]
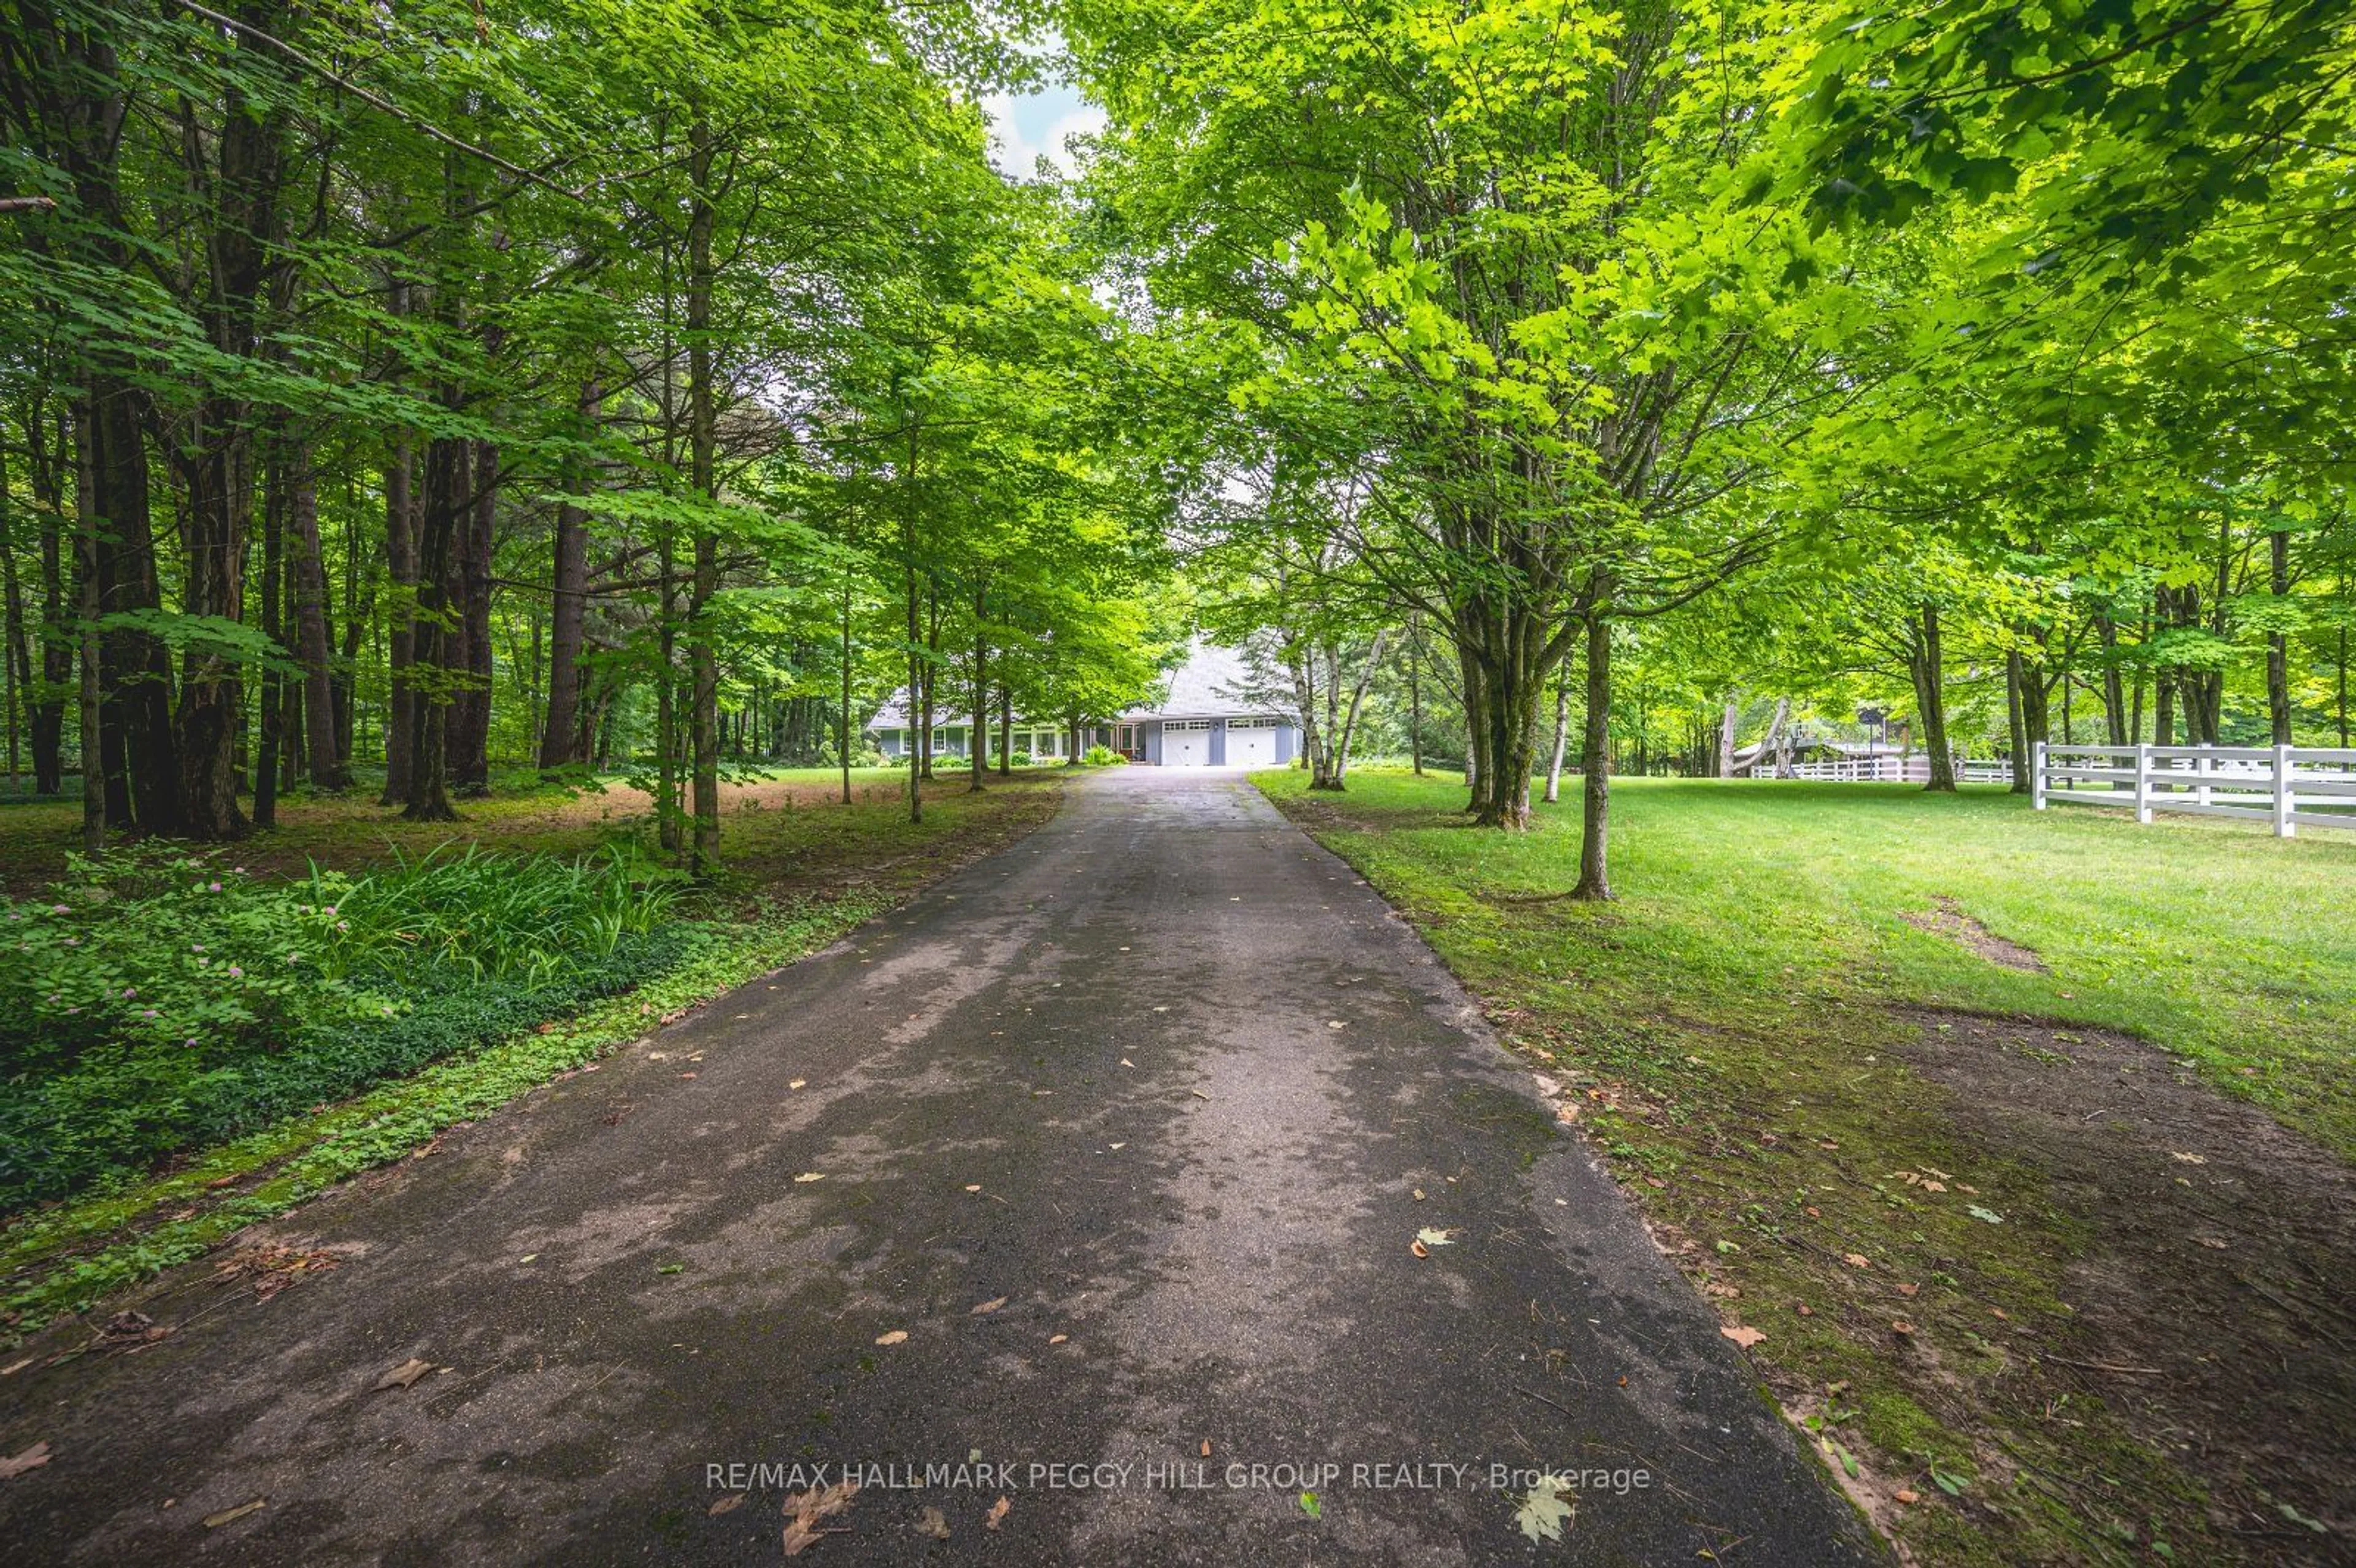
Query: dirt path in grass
[[1150, 1176], [2216, 1292]]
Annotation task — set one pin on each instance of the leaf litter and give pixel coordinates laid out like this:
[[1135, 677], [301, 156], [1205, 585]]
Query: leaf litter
[[805, 1510]]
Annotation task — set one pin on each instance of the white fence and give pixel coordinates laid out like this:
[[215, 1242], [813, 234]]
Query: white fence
[[1912, 769], [2289, 787]]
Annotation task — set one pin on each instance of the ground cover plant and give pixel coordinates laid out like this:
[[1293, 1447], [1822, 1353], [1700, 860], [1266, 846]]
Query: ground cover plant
[[2015, 1146], [431, 985]]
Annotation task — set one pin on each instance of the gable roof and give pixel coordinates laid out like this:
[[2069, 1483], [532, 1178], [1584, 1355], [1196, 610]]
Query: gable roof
[[1213, 683]]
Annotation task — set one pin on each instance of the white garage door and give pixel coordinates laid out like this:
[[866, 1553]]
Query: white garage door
[[1185, 742], [1251, 742]]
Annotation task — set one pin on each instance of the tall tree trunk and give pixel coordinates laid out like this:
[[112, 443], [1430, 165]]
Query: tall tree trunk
[[15, 648], [1561, 732], [277, 499], [920, 741], [240, 168], [359, 616], [1595, 759], [301, 516], [978, 741], [1300, 664], [2036, 722], [48, 706], [1415, 703], [470, 700], [1927, 665], [702, 439], [402, 527], [568, 615], [1475, 722], [432, 673], [89, 553], [844, 728], [1349, 728], [1770, 749], [138, 750], [1725, 731], [1005, 731], [2016, 713], [2278, 642], [2115, 695], [932, 665]]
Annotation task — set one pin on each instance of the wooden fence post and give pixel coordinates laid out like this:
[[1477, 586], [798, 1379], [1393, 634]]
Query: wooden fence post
[[2202, 765], [2143, 784], [2037, 774], [2283, 796]]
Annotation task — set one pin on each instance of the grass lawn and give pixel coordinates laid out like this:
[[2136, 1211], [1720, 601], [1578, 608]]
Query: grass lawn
[[801, 867], [2022, 1138]]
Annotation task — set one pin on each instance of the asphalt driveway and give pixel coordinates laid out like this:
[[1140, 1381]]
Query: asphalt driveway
[[1128, 1131]]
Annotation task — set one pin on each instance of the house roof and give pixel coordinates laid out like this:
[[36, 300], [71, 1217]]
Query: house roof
[[1213, 683]]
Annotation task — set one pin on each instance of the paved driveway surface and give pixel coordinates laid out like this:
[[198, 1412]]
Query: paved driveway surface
[[1162, 1081]]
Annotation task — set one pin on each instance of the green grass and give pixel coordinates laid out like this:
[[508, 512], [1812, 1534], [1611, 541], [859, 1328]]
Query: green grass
[[2215, 940], [1729, 1025]]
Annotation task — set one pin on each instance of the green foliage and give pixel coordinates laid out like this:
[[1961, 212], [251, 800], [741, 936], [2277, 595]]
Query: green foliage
[[156, 1000], [154, 950], [1103, 757]]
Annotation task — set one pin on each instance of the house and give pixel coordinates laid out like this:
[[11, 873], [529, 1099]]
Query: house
[[1214, 716]]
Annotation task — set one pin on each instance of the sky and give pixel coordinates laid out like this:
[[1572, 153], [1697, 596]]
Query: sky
[[1024, 129]]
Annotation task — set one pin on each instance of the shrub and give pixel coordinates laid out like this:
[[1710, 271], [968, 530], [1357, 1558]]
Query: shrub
[[1103, 757], [149, 948]]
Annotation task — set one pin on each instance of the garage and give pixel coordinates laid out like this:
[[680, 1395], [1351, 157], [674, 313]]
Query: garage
[[1185, 742], [1251, 742]]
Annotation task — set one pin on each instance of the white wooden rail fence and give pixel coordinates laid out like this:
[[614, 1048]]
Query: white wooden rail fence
[[1912, 769], [2289, 787]]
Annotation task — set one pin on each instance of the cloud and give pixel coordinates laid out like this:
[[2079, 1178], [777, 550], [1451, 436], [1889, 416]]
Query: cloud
[[1024, 130]]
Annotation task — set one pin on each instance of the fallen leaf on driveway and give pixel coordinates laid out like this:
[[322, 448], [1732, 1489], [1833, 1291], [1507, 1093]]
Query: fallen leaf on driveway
[[1207, 1447], [215, 1520], [811, 1176], [13, 1368], [896, 1337], [986, 1308], [32, 1459], [1058, 1338], [1125, 1061], [1544, 1511], [728, 1504], [2188, 1158], [1200, 1095], [1419, 1249], [973, 1187], [997, 1514], [797, 1084], [933, 1522], [1335, 1023], [804, 1510], [1431, 1236], [401, 1376], [1744, 1337]]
